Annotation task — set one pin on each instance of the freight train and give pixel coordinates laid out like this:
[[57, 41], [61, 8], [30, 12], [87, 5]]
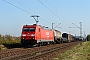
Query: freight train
[[36, 34]]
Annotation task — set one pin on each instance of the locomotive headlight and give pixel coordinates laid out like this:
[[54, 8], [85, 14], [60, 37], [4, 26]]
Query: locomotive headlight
[[23, 38], [23, 34], [32, 34], [33, 38]]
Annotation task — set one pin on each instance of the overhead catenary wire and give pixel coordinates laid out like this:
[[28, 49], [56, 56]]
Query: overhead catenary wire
[[53, 8], [17, 7], [25, 6], [32, 10], [58, 16], [23, 9], [53, 12], [29, 12], [47, 7]]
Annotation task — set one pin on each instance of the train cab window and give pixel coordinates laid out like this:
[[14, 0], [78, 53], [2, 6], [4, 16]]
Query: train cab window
[[32, 29], [39, 29], [29, 29], [26, 29]]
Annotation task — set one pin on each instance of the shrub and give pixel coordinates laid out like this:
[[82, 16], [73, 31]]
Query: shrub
[[88, 37]]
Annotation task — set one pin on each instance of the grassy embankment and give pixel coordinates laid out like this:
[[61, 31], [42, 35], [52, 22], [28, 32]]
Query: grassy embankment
[[9, 41], [6, 44], [80, 52]]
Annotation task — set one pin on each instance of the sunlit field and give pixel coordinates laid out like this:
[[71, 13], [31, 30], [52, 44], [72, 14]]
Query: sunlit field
[[80, 52]]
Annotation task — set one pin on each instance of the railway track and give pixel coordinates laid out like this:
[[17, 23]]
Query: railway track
[[19, 51], [45, 52], [28, 54]]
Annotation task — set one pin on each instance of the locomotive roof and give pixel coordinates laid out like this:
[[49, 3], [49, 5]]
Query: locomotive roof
[[34, 25]]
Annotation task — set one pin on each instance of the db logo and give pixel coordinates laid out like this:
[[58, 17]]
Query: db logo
[[47, 33]]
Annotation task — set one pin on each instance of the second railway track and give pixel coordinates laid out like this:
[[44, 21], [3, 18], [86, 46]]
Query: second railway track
[[32, 53]]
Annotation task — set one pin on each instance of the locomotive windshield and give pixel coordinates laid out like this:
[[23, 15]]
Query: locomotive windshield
[[29, 29]]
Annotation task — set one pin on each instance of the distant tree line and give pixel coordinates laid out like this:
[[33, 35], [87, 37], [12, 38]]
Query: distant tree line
[[8, 37], [88, 37]]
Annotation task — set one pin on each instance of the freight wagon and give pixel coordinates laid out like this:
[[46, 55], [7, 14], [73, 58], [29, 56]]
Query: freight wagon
[[69, 37], [57, 36]]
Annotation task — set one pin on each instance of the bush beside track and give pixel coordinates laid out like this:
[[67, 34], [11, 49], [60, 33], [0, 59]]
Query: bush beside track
[[88, 37], [6, 44], [8, 41], [80, 52]]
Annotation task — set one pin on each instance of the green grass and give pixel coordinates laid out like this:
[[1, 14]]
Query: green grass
[[80, 52]]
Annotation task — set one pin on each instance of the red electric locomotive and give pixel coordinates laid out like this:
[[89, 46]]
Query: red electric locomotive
[[36, 34]]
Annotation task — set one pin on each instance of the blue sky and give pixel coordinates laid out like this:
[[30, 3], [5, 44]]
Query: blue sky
[[65, 12]]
